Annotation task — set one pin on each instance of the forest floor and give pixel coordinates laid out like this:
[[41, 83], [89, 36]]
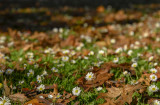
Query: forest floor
[[80, 56]]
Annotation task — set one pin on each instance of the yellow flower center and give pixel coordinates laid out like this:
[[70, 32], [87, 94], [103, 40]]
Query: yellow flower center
[[4, 101], [76, 91], [89, 76], [153, 89], [40, 89], [134, 65], [153, 77]]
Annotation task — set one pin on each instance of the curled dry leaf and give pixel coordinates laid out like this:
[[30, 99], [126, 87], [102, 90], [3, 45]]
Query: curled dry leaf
[[7, 90], [55, 92]]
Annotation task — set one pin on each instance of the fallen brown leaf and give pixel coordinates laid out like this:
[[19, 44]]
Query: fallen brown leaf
[[18, 97], [7, 90]]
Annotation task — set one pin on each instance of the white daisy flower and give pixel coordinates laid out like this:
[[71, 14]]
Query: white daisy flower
[[41, 97], [41, 87], [73, 61], [156, 102], [76, 91], [31, 60], [139, 54], [130, 52], [137, 43], [55, 30], [4, 101], [31, 72], [25, 66], [20, 59], [39, 79], [85, 57], [134, 82], [131, 45], [153, 77], [72, 53], [21, 82], [54, 69], [155, 64], [78, 48], [89, 76], [88, 39], [153, 88], [30, 55], [58, 95], [65, 51], [115, 60], [49, 51], [65, 58], [44, 73], [91, 53], [134, 64], [99, 88], [125, 47], [118, 50], [50, 96], [131, 33], [113, 41], [9, 71], [125, 72], [153, 70], [150, 58], [101, 52], [61, 30]]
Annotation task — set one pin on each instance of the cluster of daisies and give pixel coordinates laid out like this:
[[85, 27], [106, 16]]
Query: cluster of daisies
[[68, 56], [153, 78]]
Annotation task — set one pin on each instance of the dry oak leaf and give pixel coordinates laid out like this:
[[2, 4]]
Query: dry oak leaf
[[27, 47], [34, 102], [18, 97], [125, 93], [7, 90]]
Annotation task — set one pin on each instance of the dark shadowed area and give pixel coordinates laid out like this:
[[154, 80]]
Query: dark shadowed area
[[38, 14]]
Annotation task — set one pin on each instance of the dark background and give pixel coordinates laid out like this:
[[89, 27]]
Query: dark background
[[32, 21], [73, 3]]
